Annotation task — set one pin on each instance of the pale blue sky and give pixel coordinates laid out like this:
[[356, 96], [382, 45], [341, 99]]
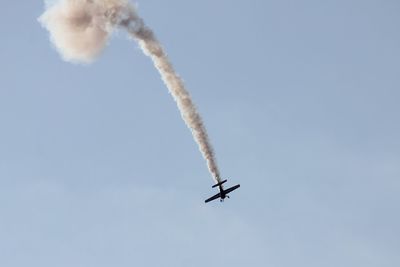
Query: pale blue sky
[[300, 99]]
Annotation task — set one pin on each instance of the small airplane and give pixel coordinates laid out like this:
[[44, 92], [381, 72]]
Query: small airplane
[[223, 193]]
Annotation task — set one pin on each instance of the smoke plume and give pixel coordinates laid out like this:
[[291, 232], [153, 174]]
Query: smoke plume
[[80, 29]]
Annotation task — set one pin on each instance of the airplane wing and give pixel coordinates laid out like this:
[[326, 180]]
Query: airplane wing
[[213, 197], [231, 189]]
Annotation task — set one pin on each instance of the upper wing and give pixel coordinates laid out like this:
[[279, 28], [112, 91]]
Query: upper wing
[[213, 197], [231, 188]]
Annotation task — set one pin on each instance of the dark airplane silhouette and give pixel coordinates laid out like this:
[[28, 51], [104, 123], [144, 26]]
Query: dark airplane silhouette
[[223, 193]]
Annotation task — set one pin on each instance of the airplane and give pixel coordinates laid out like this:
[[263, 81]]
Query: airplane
[[223, 193]]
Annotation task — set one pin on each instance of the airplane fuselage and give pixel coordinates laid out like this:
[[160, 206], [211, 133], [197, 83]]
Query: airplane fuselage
[[222, 192]]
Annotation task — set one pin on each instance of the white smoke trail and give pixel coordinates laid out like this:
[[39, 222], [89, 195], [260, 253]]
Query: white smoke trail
[[80, 29]]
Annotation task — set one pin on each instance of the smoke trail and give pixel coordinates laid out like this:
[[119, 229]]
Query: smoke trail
[[80, 29]]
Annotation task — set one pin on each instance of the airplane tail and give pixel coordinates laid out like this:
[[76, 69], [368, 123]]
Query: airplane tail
[[218, 184]]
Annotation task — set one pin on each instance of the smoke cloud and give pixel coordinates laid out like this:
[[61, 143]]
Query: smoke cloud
[[80, 29]]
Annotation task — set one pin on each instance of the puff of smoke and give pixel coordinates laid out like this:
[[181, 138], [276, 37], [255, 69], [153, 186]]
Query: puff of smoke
[[80, 29]]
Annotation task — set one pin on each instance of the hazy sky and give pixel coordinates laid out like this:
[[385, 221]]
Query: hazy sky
[[300, 99]]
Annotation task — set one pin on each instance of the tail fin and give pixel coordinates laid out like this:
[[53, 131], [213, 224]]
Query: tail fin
[[220, 183]]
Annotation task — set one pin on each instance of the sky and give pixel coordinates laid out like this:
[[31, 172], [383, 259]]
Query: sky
[[300, 100]]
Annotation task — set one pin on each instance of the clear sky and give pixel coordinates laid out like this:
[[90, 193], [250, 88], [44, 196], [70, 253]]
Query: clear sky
[[300, 99]]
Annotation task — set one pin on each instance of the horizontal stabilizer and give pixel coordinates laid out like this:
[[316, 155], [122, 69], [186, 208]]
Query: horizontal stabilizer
[[218, 184]]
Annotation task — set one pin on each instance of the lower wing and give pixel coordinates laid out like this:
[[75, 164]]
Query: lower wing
[[213, 197]]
